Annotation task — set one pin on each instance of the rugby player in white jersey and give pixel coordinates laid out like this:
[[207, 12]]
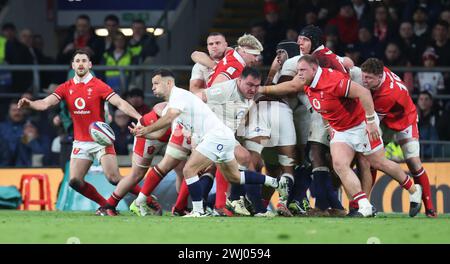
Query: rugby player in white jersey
[[213, 141]]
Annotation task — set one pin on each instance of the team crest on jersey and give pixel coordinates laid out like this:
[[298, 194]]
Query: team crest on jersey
[[219, 147], [316, 104], [71, 91], [89, 90]]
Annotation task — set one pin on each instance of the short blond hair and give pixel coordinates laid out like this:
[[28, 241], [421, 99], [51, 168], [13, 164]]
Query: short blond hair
[[248, 40]]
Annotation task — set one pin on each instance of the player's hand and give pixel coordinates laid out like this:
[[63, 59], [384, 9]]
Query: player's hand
[[276, 65], [373, 131], [23, 102], [133, 128]]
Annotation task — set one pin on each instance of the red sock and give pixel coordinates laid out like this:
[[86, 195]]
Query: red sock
[[136, 190], [374, 175], [153, 177], [359, 196], [421, 178], [114, 199], [182, 197], [221, 190], [407, 183], [266, 203], [353, 205], [90, 192]]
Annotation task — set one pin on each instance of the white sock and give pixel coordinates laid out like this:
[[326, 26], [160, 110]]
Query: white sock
[[141, 199], [364, 203], [197, 206], [288, 175], [271, 182], [242, 177]]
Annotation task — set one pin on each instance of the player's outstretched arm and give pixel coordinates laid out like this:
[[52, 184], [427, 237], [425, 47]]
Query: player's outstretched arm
[[38, 105], [163, 122], [124, 106], [293, 86], [203, 58]]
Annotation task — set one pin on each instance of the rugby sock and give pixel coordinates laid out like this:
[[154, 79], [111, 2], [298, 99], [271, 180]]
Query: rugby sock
[[353, 205], [421, 178], [361, 199], [90, 192], [221, 190], [183, 196], [237, 190], [407, 183], [332, 195], [254, 194], [320, 175], [206, 180], [136, 189], [153, 177], [253, 177], [302, 182], [114, 199], [195, 190]]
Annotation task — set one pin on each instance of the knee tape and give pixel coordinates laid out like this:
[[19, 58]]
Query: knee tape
[[253, 146], [285, 160], [411, 149], [176, 153]]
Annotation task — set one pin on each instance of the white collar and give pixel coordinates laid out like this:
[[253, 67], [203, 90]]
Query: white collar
[[85, 80], [382, 79], [316, 77], [321, 47]]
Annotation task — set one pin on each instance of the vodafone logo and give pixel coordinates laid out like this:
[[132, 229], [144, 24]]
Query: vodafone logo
[[316, 104], [80, 104]]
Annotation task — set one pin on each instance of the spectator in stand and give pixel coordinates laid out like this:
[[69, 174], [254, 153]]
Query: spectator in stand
[[411, 45], [432, 82], [420, 18], [332, 40], [291, 34], [445, 15], [346, 23], [393, 57], [440, 42], [32, 147], [432, 9], [17, 53], [367, 45], [384, 27], [142, 45], [136, 98], [351, 52], [82, 37], [119, 56], [427, 123], [123, 136], [275, 30], [12, 130], [258, 30], [112, 24], [46, 77], [362, 10]]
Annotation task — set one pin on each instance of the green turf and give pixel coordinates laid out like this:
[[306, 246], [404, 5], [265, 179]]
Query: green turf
[[57, 227]]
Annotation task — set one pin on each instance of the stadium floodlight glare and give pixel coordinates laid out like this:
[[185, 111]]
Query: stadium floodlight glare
[[103, 32]]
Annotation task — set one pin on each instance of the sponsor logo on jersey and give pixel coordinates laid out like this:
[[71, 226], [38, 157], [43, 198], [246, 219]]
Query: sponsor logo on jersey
[[219, 147], [80, 104]]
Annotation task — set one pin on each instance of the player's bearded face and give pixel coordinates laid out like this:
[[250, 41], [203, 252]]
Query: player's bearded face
[[159, 86], [81, 64]]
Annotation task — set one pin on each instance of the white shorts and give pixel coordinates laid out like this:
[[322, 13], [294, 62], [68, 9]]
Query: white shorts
[[90, 150], [411, 132], [272, 119], [302, 120], [147, 149], [358, 139], [317, 131], [218, 145]]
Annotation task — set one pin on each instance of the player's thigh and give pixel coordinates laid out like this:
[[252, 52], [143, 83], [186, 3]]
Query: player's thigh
[[196, 163], [79, 168], [169, 163], [342, 155]]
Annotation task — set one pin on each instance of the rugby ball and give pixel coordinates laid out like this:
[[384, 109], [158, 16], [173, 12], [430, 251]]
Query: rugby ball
[[102, 133]]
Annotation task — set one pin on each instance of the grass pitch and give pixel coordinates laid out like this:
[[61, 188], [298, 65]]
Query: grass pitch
[[58, 227]]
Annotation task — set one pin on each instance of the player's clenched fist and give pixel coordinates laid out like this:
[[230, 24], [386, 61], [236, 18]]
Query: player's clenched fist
[[24, 102]]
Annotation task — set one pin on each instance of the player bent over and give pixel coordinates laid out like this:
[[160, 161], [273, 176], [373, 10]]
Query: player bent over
[[213, 140], [348, 108]]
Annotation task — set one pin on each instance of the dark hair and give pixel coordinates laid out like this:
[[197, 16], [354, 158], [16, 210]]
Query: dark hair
[[138, 21], [213, 34], [85, 17], [163, 73], [373, 66], [442, 23], [9, 26], [250, 71], [309, 59], [426, 93], [82, 51], [112, 17]]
